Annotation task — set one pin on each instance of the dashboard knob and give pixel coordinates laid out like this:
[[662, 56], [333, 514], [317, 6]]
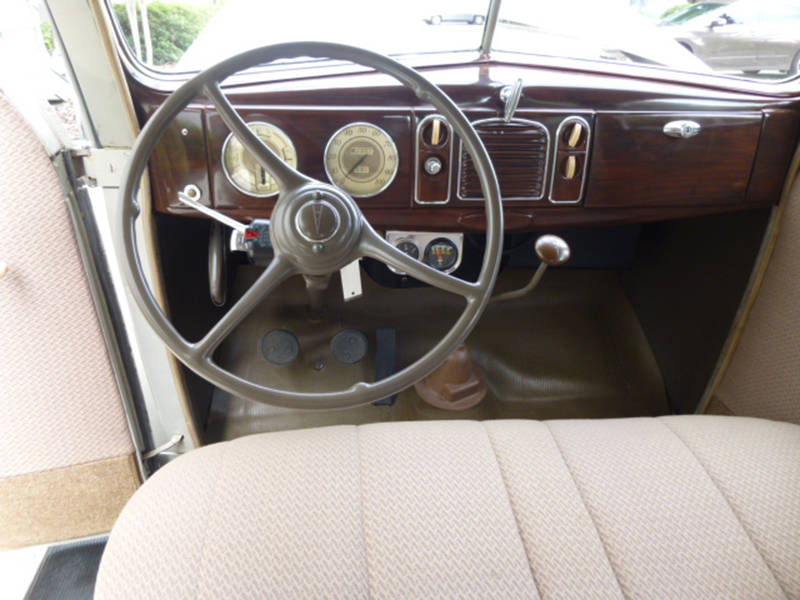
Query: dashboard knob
[[575, 135], [570, 167], [433, 165]]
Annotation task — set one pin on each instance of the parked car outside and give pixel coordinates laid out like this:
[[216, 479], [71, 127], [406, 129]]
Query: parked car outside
[[689, 12], [456, 19], [748, 35]]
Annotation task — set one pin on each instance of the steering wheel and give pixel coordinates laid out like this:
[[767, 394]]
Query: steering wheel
[[316, 230]]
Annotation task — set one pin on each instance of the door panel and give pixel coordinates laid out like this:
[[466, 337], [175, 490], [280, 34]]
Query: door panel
[[66, 455]]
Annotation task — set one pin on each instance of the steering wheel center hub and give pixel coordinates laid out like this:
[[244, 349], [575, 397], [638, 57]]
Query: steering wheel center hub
[[318, 227], [317, 221]]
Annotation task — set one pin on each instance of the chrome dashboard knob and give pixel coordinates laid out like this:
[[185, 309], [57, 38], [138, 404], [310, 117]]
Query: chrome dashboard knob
[[433, 165]]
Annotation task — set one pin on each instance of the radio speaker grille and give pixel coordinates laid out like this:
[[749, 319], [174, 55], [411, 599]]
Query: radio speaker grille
[[519, 153]]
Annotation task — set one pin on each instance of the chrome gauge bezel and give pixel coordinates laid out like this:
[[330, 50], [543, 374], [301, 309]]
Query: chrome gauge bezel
[[417, 171], [422, 239], [554, 170], [442, 240], [405, 240], [228, 175], [371, 126]]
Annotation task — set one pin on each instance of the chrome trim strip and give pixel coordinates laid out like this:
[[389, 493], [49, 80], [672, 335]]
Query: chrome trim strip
[[563, 124], [502, 122], [356, 124], [417, 165]]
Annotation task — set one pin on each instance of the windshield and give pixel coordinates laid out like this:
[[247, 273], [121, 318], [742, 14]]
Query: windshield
[[190, 35]]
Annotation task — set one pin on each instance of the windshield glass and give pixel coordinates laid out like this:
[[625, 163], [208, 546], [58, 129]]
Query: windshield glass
[[756, 39]]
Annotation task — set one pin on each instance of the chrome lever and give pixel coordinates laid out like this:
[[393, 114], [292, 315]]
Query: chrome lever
[[189, 197], [553, 252]]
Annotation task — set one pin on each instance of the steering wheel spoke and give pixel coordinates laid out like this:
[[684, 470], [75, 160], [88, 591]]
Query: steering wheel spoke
[[374, 246], [276, 273], [288, 178]]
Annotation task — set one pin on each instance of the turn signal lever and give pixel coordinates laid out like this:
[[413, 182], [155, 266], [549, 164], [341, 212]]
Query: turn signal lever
[[553, 252]]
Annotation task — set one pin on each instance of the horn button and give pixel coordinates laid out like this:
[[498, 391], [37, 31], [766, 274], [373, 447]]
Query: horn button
[[317, 221], [318, 227]]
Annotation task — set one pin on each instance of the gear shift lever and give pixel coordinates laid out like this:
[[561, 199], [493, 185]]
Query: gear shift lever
[[553, 252]]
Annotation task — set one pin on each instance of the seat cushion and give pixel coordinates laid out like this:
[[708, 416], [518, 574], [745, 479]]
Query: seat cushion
[[672, 507]]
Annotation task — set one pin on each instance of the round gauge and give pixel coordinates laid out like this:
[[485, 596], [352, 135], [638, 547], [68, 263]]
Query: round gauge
[[408, 247], [441, 254], [361, 159], [245, 172]]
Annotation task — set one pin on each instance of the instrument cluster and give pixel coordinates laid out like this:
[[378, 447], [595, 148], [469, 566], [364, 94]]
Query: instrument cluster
[[360, 158]]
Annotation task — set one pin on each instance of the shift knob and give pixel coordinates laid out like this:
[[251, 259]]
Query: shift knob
[[552, 250]]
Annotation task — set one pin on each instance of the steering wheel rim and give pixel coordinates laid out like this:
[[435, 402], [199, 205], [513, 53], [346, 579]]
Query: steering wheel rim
[[302, 192]]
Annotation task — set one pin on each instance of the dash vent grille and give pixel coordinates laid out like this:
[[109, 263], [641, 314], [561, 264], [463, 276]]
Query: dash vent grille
[[519, 153]]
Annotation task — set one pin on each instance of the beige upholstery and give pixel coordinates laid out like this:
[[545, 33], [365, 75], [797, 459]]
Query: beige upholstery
[[65, 445], [674, 507], [60, 404], [761, 380]]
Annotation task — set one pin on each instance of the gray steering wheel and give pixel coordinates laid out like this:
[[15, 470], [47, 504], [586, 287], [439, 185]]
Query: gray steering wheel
[[345, 237]]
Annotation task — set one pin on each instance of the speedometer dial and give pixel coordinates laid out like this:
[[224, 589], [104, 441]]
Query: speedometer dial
[[361, 159], [245, 172]]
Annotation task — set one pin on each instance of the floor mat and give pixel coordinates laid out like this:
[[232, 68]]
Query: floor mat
[[68, 571], [572, 349]]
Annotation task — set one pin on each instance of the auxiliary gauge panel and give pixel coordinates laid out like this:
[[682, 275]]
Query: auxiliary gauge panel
[[442, 251]]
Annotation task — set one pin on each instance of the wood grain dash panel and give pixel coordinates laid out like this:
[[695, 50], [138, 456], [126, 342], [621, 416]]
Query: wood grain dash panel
[[774, 155], [180, 159], [635, 164]]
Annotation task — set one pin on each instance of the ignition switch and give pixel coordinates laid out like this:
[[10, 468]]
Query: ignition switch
[[258, 243]]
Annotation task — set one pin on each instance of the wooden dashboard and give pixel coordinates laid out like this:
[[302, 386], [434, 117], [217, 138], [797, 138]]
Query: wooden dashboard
[[621, 168]]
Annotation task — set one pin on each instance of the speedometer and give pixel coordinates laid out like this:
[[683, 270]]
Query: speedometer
[[361, 159], [245, 172]]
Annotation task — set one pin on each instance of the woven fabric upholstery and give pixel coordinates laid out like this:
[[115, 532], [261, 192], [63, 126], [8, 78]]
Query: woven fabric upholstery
[[761, 380], [59, 401], [673, 507]]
